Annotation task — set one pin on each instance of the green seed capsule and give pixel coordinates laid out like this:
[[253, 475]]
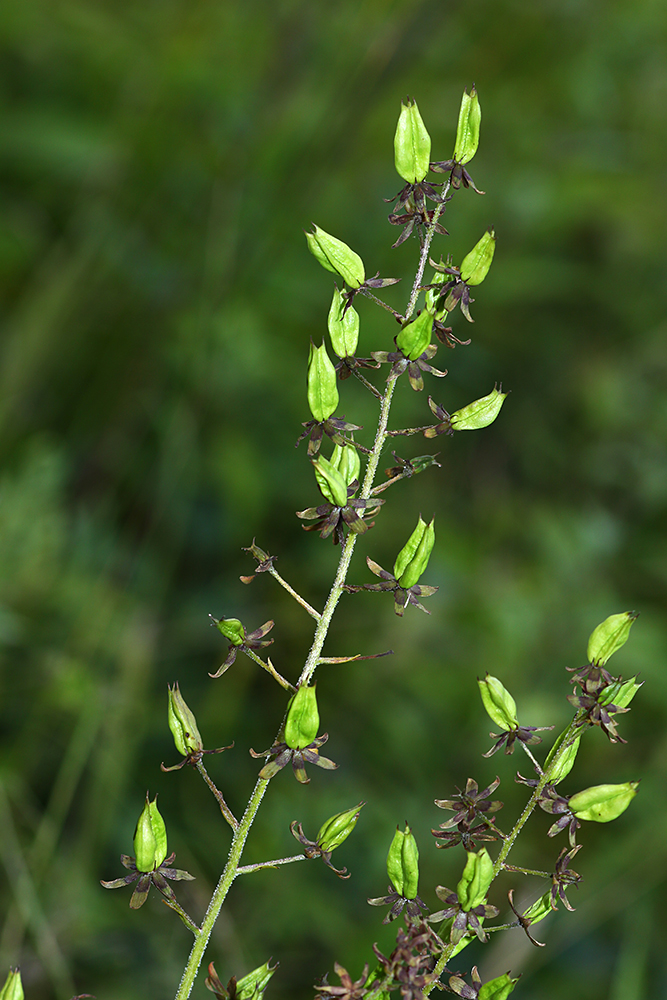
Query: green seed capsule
[[412, 145], [603, 803], [13, 987], [498, 988], [566, 762], [336, 256], [338, 828], [416, 336], [620, 693], [499, 703], [183, 724], [322, 389], [479, 414], [403, 863], [346, 460], [330, 481], [231, 628], [609, 636], [476, 264], [303, 719], [150, 838], [475, 881], [540, 909], [413, 558], [343, 326], [467, 132], [252, 986]]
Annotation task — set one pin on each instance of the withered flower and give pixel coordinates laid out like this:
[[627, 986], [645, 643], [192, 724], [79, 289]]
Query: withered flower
[[458, 175], [333, 427], [593, 680], [412, 199], [402, 595], [454, 292], [524, 922], [524, 734], [398, 903], [469, 807], [401, 363], [410, 965], [564, 877], [331, 519], [158, 877], [240, 640], [465, 921], [281, 755], [348, 990]]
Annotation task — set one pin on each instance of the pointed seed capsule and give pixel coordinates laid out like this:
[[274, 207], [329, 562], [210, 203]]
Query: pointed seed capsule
[[338, 828], [498, 988], [566, 762], [322, 390], [150, 838], [413, 558], [476, 264], [330, 481], [183, 724], [13, 987], [479, 414], [232, 629], [609, 636], [475, 881], [252, 986], [336, 256], [343, 326], [403, 863], [412, 144], [416, 336], [620, 693], [346, 460], [603, 803], [499, 703], [467, 132], [303, 718]]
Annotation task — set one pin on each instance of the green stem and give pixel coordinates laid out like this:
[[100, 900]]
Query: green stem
[[221, 890], [244, 869], [219, 798]]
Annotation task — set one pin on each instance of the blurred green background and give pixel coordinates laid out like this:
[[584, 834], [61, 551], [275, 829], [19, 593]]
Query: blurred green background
[[159, 161]]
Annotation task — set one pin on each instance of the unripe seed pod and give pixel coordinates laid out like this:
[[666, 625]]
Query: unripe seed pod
[[252, 986], [150, 838], [467, 132], [231, 628], [403, 863], [603, 803], [433, 294], [609, 636], [13, 987], [540, 909], [620, 693], [331, 481], [476, 264], [336, 256], [412, 144], [416, 336], [346, 460], [322, 389], [498, 988], [338, 828], [480, 413], [343, 326], [475, 881], [499, 703], [183, 724], [566, 762], [413, 558], [303, 718]]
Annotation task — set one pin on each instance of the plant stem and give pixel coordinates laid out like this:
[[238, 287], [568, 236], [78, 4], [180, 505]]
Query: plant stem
[[423, 257], [244, 869], [297, 597], [224, 808], [221, 890]]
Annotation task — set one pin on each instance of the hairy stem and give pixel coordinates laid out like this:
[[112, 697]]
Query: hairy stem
[[219, 798]]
